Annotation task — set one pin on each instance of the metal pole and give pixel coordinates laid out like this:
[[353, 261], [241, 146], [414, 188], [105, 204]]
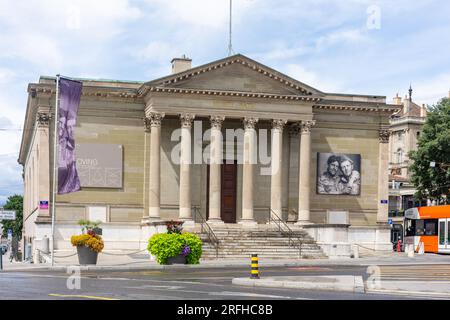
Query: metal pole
[[230, 45], [55, 168]]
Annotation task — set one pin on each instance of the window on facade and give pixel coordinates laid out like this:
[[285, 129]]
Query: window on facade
[[399, 156]]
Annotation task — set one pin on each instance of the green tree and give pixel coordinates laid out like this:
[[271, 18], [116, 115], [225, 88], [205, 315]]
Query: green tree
[[433, 146], [14, 203]]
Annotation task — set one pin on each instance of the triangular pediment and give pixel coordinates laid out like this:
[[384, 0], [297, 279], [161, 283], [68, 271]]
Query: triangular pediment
[[236, 74]]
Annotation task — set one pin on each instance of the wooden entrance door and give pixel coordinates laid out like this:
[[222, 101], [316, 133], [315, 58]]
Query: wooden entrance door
[[228, 192]]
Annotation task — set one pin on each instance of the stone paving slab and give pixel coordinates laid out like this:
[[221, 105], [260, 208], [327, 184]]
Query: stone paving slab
[[326, 283]]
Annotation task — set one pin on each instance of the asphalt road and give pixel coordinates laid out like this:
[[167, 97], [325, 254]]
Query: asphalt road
[[174, 284]]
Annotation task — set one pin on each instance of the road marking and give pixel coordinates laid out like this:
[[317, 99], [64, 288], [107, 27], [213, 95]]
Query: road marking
[[254, 295], [79, 296]]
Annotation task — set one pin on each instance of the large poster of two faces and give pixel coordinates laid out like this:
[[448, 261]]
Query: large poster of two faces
[[339, 174]]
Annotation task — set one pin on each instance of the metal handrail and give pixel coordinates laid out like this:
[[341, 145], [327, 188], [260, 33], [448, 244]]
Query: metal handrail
[[205, 227], [292, 237]]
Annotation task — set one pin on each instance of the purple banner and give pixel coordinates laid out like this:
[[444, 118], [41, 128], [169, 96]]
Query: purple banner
[[69, 97]]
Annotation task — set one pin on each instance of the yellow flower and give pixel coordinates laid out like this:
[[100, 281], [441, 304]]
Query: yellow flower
[[94, 243]]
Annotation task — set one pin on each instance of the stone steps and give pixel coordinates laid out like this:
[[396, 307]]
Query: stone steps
[[236, 241]]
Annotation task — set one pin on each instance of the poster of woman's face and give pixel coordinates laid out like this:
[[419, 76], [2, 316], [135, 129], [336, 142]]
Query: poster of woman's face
[[339, 174]]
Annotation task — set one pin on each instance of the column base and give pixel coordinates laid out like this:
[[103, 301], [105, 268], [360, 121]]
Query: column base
[[248, 223], [215, 221], [188, 222], [303, 223], [147, 220]]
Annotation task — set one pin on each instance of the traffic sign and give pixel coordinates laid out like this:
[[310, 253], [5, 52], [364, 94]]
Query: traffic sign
[[10, 234], [390, 221], [7, 215]]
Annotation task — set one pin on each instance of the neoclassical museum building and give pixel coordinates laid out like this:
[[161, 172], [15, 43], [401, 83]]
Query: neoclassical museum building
[[231, 142]]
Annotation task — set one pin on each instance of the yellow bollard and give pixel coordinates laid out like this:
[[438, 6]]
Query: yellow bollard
[[255, 268]]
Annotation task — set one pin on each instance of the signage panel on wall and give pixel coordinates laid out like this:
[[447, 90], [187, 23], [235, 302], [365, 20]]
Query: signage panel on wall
[[100, 165]]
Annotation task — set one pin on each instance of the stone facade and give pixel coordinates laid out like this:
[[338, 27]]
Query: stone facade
[[405, 129], [233, 93]]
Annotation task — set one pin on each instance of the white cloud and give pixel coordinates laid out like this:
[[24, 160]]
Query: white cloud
[[210, 15], [341, 37], [430, 91], [157, 52], [310, 78]]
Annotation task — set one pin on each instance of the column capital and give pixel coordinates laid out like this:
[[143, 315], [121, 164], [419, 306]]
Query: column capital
[[384, 135], [216, 122], [250, 123], [155, 118], [186, 120], [147, 124], [43, 119], [278, 124], [307, 125]]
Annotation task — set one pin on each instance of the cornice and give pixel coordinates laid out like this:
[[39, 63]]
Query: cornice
[[209, 92], [356, 107], [90, 91]]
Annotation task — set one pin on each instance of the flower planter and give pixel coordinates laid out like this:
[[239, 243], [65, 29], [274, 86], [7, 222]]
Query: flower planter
[[179, 259], [86, 255]]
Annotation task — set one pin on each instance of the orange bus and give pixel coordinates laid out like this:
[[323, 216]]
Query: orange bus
[[430, 226]]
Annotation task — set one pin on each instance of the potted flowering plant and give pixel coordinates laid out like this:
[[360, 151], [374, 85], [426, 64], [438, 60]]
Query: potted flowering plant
[[175, 246], [89, 243]]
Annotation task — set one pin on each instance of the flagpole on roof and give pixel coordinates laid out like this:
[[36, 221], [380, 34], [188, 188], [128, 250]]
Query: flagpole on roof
[[55, 168]]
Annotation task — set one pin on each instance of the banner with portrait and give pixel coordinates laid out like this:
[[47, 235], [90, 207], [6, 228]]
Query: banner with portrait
[[339, 174]]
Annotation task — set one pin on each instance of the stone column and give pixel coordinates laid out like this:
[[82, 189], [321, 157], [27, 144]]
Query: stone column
[[155, 165], [147, 133], [215, 169], [247, 170], [185, 167], [383, 177], [304, 173], [43, 159], [276, 172], [294, 146]]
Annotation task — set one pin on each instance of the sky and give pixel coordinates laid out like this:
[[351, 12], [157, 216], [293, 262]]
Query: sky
[[342, 46]]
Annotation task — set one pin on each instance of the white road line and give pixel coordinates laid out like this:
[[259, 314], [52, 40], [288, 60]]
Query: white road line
[[253, 295]]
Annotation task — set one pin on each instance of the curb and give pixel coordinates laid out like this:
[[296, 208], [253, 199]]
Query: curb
[[224, 264], [353, 284]]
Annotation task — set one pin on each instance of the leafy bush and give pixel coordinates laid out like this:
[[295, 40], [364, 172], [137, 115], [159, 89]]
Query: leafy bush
[[166, 245], [195, 244]]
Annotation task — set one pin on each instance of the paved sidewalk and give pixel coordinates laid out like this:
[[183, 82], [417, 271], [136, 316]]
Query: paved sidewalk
[[118, 261]]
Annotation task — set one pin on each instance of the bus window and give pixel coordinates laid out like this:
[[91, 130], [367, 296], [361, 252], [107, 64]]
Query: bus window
[[410, 230], [431, 227], [420, 227], [442, 233]]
